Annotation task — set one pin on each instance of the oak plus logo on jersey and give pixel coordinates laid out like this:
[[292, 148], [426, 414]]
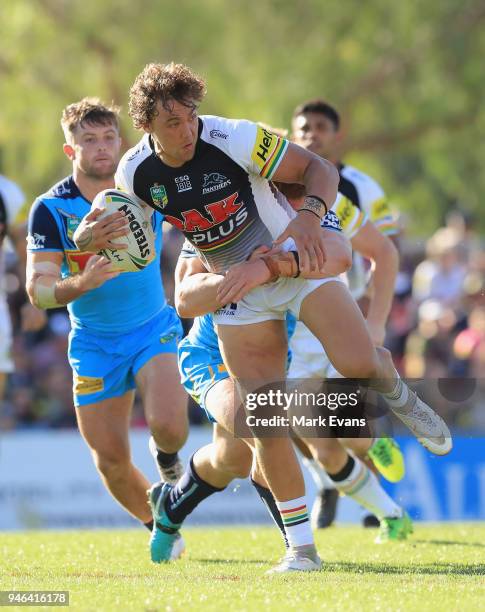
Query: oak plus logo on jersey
[[214, 181], [218, 224], [183, 183]]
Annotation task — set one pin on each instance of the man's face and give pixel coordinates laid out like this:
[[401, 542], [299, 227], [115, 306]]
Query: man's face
[[317, 133], [175, 130], [95, 149]]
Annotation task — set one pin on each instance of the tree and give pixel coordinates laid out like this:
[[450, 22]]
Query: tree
[[407, 78]]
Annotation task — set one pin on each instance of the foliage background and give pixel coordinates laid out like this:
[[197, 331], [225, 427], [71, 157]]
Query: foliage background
[[407, 77]]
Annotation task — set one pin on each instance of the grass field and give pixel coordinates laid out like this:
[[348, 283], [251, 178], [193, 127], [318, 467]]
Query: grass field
[[440, 568]]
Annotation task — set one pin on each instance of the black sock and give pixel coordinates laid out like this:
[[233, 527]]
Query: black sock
[[345, 471], [270, 503], [149, 525], [187, 494], [166, 460]]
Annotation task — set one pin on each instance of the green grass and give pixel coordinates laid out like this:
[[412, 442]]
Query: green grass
[[439, 568]]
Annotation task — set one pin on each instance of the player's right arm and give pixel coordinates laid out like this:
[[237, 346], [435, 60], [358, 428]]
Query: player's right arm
[[45, 254], [46, 288], [197, 289]]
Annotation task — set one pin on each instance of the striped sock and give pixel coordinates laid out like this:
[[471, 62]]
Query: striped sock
[[294, 514], [356, 481], [399, 396]]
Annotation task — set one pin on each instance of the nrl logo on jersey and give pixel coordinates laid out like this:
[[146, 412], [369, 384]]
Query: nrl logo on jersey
[[214, 181], [159, 195], [71, 222]]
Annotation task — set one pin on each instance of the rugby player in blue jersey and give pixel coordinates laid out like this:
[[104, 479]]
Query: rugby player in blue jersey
[[124, 335]]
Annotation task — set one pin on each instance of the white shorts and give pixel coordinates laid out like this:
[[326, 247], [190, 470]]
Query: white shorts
[[308, 357], [6, 363], [270, 302]]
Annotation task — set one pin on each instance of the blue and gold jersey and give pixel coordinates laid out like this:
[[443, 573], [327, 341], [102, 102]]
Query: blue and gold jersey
[[121, 304]]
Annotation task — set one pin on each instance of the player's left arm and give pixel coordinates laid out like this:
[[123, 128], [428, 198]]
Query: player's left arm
[[377, 247], [195, 288], [321, 179], [271, 157]]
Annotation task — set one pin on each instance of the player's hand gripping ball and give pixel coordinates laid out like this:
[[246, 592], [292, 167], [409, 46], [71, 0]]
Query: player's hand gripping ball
[[140, 240]]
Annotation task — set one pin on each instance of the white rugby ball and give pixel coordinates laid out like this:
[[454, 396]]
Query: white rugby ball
[[140, 241]]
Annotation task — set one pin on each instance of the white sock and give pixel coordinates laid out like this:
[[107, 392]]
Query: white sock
[[398, 397], [319, 475], [294, 514], [362, 486]]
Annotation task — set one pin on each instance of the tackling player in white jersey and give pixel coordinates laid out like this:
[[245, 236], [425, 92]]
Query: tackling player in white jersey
[[316, 126]]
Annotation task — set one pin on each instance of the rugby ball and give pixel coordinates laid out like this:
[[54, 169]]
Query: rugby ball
[[140, 241]]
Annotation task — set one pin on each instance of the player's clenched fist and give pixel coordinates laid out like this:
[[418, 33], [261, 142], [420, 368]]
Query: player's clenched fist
[[306, 232], [97, 271], [94, 234]]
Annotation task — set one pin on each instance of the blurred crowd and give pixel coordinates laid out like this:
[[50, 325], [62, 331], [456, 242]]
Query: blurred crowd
[[436, 331]]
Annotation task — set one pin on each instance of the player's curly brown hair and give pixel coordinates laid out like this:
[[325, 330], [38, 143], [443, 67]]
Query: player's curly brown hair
[[88, 110], [163, 82]]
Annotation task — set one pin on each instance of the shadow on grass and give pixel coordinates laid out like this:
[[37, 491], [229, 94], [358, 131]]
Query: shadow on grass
[[230, 561], [439, 568], [448, 543]]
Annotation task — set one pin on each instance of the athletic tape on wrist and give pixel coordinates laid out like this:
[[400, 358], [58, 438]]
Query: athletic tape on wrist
[[315, 207], [282, 265], [44, 275]]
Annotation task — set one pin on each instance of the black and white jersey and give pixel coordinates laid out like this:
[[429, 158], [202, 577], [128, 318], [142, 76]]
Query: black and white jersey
[[368, 195], [221, 199]]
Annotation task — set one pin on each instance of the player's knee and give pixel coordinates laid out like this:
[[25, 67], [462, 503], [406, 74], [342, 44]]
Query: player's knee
[[169, 434], [112, 464], [274, 447], [330, 457], [363, 364], [236, 463]]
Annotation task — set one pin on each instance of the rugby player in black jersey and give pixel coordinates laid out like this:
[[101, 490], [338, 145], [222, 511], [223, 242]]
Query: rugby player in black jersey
[[209, 177]]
